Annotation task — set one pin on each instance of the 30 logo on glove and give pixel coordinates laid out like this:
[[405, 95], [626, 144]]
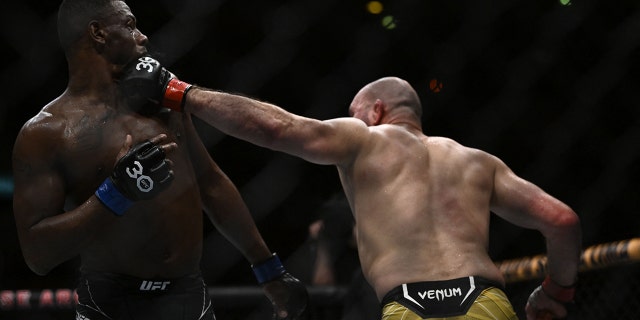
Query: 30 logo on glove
[[147, 63], [143, 182], [140, 174]]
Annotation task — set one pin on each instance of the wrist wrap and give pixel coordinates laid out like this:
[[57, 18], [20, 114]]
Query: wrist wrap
[[268, 270], [109, 195], [557, 292], [175, 94]]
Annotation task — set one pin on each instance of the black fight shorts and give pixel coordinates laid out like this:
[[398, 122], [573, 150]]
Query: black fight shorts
[[106, 296]]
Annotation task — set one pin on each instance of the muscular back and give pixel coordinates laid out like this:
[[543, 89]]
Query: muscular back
[[424, 201], [67, 150]]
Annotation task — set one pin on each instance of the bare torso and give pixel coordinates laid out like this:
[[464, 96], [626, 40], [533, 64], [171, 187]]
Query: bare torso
[[160, 237], [421, 206]]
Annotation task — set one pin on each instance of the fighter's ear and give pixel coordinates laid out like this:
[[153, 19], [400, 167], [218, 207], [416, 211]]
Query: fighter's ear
[[97, 33], [378, 112]]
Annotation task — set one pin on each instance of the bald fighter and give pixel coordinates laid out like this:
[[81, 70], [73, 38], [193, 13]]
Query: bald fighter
[[422, 204]]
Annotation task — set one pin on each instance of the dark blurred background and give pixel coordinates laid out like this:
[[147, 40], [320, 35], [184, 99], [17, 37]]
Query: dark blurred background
[[550, 86]]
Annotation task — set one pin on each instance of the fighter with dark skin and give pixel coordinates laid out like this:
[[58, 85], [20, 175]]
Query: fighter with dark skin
[[69, 149]]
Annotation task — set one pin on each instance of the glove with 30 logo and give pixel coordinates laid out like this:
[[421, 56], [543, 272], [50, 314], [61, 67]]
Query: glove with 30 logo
[[140, 174], [146, 79]]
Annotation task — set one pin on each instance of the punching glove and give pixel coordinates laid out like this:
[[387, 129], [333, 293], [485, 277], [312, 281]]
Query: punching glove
[[146, 79], [284, 290], [140, 174]]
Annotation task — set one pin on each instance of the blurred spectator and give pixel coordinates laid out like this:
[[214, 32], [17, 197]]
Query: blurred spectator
[[336, 259]]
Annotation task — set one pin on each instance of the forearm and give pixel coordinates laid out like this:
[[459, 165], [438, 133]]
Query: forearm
[[245, 237], [564, 249], [62, 237], [558, 289], [326, 142], [232, 218], [257, 122]]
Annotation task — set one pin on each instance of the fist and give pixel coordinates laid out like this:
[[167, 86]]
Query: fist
[[542, 307], [288, 296], [146, 80]]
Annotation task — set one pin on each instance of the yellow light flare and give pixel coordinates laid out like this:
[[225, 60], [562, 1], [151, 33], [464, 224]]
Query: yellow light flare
[[374, 7]]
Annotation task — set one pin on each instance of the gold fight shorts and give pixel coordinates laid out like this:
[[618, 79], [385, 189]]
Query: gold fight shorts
[[457, 299]]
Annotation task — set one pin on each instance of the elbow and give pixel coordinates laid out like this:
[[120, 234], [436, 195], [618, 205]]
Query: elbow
[[568, 219], [37, 262], [36, 257], [565, 222], [38, 267], [40, 271]]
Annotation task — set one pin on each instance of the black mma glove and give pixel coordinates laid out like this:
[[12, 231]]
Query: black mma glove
[[283, 289], [146, 79], [140, 174]]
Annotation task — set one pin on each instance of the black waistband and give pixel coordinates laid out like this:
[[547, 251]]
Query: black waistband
[[132, 284], [440, 298]]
